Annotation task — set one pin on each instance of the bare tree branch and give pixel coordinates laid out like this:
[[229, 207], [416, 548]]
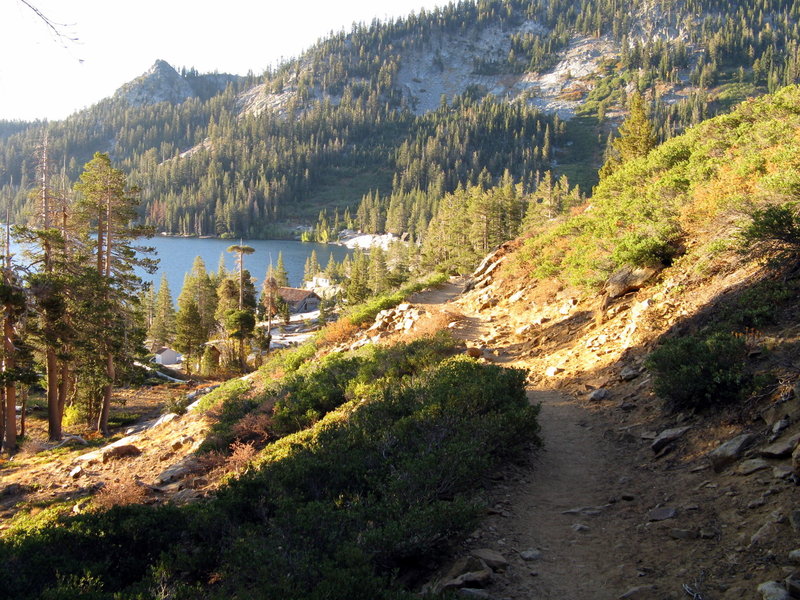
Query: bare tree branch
[[56, 28]]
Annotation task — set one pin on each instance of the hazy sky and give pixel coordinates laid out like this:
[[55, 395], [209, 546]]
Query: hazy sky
[[44, 77]]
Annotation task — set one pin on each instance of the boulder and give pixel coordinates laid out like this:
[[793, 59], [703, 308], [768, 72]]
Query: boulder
[[751, 466], [792, 583], [781, 448], [666, 437], [629, 373], [468, 571], [492, 558], [598, 395], [628, 279], [773, 590], [730, 451], [117, 452]]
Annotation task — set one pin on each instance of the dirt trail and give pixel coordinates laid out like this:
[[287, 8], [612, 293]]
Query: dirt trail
[[578, 504]]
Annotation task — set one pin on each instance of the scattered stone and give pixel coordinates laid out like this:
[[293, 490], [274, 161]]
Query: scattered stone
[[628, 279], [757, 503], [642, 592], [789, 409], [782, 471], [580, 528], [629, 373], [185, 496], [794, 556], [730, 451], [751, 466], [707, 534], [468, 571], [473, 593], [667, 437], [178, 471], [794, 519], [773, 590], [598, 395], [780, 425], [474, 352], [492, 558], [662, 514], [167, 418], [683, 534], [532, 554], [553, 371], [117, 452], [782, 448], [76, 472], [792, 583], [765, 535]]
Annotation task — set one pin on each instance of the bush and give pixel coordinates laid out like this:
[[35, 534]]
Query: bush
[[700, 372], [773, 235]]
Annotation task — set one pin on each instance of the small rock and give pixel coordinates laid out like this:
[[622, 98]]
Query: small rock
[[473, 593], [682, 534], [598, 395], [780, 425], [492, 558], [772, 590], [553, 371], [168, 418], [642, 592], [76, 472], [116, 452], [730, 451], [530, 555], [707, 534], [580, 528], [794, 519], [474, 352], [794, 556], [782, 471], [765, 535], [662, 514], [667, 437], [751, 466], [629, 373]]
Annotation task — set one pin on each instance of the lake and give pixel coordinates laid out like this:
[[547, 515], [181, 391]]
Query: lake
[[176, 255]]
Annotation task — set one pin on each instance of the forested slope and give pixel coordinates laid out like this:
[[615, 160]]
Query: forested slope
[[344, 119]]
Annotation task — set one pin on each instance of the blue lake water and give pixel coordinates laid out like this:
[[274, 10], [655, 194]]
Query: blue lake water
[[176, 256]]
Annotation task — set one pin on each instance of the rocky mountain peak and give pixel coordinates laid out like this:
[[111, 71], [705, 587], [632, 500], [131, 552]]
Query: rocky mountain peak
[[161, 83]]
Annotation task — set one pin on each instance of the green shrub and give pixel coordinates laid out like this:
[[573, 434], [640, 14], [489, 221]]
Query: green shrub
[[773, 235], [336, 511], [695, 372]]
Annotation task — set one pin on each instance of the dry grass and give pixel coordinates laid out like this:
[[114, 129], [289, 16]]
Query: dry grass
[[123, 492], [254, 426], [240, 457], [338, 331]]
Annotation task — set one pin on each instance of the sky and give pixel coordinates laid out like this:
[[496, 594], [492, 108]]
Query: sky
[[43, 76]]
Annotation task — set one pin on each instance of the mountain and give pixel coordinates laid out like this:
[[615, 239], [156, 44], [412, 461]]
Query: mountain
[[162, 83], [397, 114]]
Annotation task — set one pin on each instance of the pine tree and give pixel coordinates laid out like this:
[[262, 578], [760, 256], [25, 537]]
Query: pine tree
[[189, 333], [107, 203], [636, 136], [162, 329], [280, 273]]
